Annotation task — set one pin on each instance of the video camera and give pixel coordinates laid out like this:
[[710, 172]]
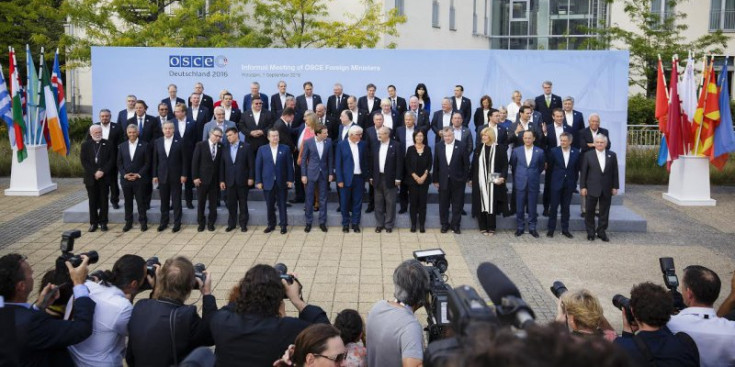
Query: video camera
[[437, 299], [282, 270]]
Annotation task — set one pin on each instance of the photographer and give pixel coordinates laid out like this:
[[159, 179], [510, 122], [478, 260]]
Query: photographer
[[317, 345], [715, 336], [255, 328], [582, 313], [113, 296], [394, 335], [648, 340], [163, 330], [41, 339]]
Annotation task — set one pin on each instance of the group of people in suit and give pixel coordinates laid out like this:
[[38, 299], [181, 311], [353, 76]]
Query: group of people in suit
[[302, 144]]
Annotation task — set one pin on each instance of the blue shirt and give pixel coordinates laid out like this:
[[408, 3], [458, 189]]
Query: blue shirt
[[233, 151]]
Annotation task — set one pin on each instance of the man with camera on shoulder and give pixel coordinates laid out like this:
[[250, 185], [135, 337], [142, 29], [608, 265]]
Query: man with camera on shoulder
[[648, 340], [163, 330], [715, 336], [42, 339]]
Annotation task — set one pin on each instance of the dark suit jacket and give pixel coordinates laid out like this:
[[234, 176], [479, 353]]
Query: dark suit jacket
[[437, 123], [203, 116], [393, 170], [287, 136], [202, 165], [188, 137], [500, 193], [458, 168], [400, 136], [332, 110], [301, 105], [467, 140], [276, 106], [550, 140], [122, 117], [207, 102], [362, 104], [364, 119], [479, 118], [247, 102], [517, 139], [465, 109], [235, 115], [344, 164], [546, 111], [501, 138], [238, 173], [525, 176], [117, 134], [105, 153], [140, 163], [401, 106], [170, 169], [586, 138], [274, 174], [151, 128], [248, 124], [340, 132], [171, 106], [592, 178], [577, 125], [311, 164], [42, 339], [397, 121], [422, 120], [563, 177]]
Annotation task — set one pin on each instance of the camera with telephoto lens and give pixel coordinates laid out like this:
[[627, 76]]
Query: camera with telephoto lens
[[282, 270], [437, 299], [150, 269], [67, 246], [558, 288], [622, 302], [671, 281]]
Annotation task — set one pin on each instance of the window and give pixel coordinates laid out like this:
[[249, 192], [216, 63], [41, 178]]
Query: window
[[452, 16], [722, 15], [661, 8], [486, 25], [435, 14], [401, 7], [519, 10], [474, 16]]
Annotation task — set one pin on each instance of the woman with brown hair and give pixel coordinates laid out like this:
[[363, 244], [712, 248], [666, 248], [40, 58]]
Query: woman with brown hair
[[482, 112]]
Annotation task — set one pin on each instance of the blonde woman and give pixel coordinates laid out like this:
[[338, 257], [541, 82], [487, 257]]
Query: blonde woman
[[489, 171]]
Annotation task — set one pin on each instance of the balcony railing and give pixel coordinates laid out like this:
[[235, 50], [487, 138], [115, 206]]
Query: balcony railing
[[722, 20]]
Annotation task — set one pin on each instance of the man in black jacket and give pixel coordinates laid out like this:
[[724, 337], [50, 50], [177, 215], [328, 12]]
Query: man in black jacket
[[114, 134], [133, 163], [170, 171], [40, 338], [236, 175], [163, 330], [598, 181], [205, 166], [97, 156]]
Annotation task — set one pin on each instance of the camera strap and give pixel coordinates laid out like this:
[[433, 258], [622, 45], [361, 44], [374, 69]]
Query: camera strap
[[172, 328]]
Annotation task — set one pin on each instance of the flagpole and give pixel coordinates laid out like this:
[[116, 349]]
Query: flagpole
[[40, 69], [706, 93]]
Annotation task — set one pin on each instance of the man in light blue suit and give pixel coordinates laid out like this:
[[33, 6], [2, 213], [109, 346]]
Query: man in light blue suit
[[527, 162], [317, 170], [351, 168], [274, 175]]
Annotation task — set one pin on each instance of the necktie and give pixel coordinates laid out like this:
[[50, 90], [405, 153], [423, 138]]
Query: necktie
[[214, 151], [140, 125], [548, 101], [339, 99], [393, 101]]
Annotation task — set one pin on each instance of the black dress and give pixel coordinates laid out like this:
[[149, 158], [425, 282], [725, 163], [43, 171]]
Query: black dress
[[418, 164], [500, 195]]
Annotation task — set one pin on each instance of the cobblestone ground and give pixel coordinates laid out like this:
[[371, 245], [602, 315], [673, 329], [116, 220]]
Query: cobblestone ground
[[354, 270]]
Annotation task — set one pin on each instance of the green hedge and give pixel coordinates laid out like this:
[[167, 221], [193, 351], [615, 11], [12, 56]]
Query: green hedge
[[641, 168], [642, 110]]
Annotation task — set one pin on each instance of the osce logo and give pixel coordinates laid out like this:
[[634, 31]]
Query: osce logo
[[196, 61]]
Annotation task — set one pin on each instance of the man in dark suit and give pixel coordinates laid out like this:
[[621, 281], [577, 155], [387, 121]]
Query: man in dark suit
[[462, 133], [317, 171], [205, 165], [524, 123], [199, 114], [547, 103], [170, 171], [370, 136], [124, 115], [332, 125], [391, 119], [97, 156], [236, 175], [231, 113], [41, 339], [451, 170], [369, 102], [574, 119], [133, 163], [247, 100], [462, 105], [404, 135], [398, 104], [114, 134], [359, 117], [442, 119], [536, 116], [274, 175], [255, 123], [552, 133], [422, 117], [587, 137], [163, 113], [527, 162], [386, 173], [205, 100], [351, 169], [172, 100], [342, 133], [337, 102], [278, 100], [599, 182], [308, 100], [501, 135], [149, 130], [185, 130], [288, 135], [563, 167]]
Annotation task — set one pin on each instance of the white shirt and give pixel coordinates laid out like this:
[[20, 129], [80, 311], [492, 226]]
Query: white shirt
[[167, 144], [409, 137], [319, 147], [565, 154], [714, 336], [569, 118], [283, 99], [345, 131], [601, 159], [382, 155], [274, 152], [106, 345], [370, 103], [529, 155], [212, 146], [228, 112], [458, 134], [458, 102], [309, 102], [513, 109], [256, 117], [355, 115], [557, 131], [182, 127], [388, 120], [194, 112], [355, 158], [105, 131], [448, 151], [132, 146], [484, 117], [447, 119], [131, 114], [594, 134]]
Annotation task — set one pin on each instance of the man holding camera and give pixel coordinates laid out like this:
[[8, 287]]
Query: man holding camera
[[394, 335], [648, 340], [715, 336], [42, 339]]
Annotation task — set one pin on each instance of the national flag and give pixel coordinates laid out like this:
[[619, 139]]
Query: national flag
[[688, 98], [32, 101], [48, 103], [663, 152], [724, 139], [674, 135], [707, 116], [662, 99], [6, 110], [58, 85], [18, 123]]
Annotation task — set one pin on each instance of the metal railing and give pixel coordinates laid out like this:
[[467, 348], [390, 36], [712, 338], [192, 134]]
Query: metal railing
[[722, 20], [644, 135]]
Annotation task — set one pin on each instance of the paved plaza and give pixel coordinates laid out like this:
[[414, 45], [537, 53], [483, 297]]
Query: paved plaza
[[354, 270]]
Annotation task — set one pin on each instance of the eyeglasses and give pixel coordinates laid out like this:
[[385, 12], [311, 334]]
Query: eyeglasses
[[336, 359], [217, 135], [258, 103]]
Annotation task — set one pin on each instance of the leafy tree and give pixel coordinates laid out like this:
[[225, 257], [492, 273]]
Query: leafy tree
[[35, 22], [304, 23], [655, 35]]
